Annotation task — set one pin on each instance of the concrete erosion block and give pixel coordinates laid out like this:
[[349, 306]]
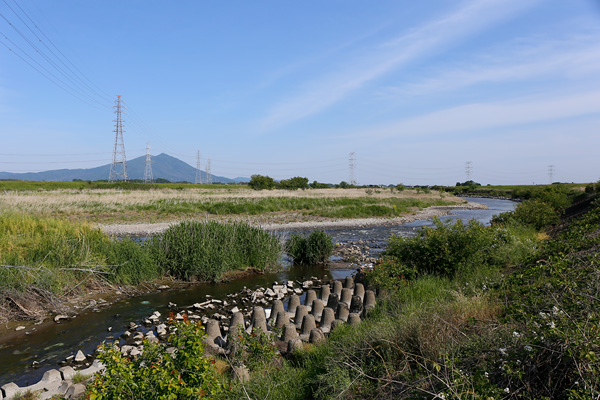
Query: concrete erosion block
[[258, 312], [342, 312], [325, 292], [301, 311], [316, 336], [327, 319], [282, 319], [10, 389], [293, 303], [333, 301], [359, 290], [317, 309], [311, 296], [75, 391], [294, 345], [346, 296], [289, 332], [276, 308], [354, 319], [308, 324], [349, 282], [356, 305], [67, 372], [337, 288]]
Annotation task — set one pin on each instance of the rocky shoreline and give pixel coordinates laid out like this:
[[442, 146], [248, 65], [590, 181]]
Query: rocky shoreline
[[291, 313]]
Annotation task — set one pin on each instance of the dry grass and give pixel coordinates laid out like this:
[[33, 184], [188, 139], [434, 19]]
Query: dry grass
[[110, 205]]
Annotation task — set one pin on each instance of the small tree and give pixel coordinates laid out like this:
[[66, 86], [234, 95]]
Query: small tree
[[260, 182]]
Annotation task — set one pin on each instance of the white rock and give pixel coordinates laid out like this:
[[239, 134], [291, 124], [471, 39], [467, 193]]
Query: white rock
[[80, 357]]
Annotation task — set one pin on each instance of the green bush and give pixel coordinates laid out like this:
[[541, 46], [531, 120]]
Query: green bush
[[259, 182], [312, 249], [389, 273], [443, 248], [157, 374], [535, 212], [294, 183]]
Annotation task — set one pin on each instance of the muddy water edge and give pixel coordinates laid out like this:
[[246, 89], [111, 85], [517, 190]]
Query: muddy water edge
[[46, 345]]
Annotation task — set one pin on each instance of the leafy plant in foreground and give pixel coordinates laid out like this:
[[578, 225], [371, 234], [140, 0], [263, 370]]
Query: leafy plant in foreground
[[156, 374]]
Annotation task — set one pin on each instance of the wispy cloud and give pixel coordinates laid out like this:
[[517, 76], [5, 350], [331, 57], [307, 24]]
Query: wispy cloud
[[491, 115], [573, 57], [447, 31]]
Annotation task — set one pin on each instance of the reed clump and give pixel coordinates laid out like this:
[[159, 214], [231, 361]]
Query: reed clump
[[206, 250]]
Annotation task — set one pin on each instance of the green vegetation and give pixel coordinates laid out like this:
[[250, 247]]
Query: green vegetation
[[522, 192], [312, 249], [15, 185], [294, 183], [46, 256], [260, 182], [500, 312], [343, 207], [157, 374], [207, 250]]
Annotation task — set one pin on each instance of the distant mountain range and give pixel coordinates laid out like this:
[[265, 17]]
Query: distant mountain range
[[163, 166]]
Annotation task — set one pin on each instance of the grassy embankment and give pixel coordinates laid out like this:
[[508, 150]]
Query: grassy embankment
[[504, 312], [44, 258]]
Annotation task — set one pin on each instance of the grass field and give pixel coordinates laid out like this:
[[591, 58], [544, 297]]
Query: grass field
[[217, 203]]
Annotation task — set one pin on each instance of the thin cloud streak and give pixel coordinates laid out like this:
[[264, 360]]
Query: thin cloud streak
[[572, 60], [486, 116], [446, 31]]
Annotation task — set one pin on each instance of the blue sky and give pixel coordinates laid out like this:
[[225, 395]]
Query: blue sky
[[415, 89]]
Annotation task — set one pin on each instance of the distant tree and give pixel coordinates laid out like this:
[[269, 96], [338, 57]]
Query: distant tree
[[343, 185], [319, 185], [260, 182], [294, 183]]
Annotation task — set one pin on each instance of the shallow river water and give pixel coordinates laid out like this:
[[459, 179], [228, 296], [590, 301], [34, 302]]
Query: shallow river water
[[50, 343]]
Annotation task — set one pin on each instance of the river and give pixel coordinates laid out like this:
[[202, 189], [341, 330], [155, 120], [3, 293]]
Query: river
[[50, 343]]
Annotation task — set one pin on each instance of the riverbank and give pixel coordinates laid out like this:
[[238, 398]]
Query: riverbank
[[311, 223]]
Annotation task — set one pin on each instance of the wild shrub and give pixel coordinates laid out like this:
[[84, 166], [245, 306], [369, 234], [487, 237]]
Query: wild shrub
[[389, 273], [443, 248], [157, 374], [312, 249], [536, 213]]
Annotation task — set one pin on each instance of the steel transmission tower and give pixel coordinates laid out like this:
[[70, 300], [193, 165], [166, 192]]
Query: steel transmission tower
[[148, 170], [208, 174], [198, 172], [118, 168], [551, 173], [468, 170], [352, 167]]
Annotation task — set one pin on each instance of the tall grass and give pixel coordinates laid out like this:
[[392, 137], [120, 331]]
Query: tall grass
[[47, 253], [56, 254], [207, 250]]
